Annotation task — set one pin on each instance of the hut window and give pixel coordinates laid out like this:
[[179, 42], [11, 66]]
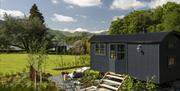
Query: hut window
[[120, 52], [172, 43], [112, 51], [100, 49], [171, 61]]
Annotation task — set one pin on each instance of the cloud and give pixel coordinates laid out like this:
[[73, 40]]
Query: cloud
[[126, 4], [84, 3], [98, 31], [55, 1], [13, 13], [156, 3], [137, 4], [62, 18], [115, 17], [75, 30], [81, 30]]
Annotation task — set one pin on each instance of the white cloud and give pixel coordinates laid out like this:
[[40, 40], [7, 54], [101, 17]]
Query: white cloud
[[115, 17], [75, 30], [55, 1], [156, 3], [13, 13], [81, 30], [136, 4], [126, 4], [98, 31], [84, 3], [62, 18]]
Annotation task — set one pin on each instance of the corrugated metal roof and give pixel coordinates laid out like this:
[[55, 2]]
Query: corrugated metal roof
[[155, 37]]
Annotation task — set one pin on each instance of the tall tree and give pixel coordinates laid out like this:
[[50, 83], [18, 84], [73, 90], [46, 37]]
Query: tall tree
[[28, 33], [35, 13], [163, 18], [116, 27], [25, 33]]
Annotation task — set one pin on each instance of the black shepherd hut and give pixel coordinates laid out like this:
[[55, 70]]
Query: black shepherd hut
[[142, 56]]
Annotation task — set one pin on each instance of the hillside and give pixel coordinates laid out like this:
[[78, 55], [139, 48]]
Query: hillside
[[63, 34]]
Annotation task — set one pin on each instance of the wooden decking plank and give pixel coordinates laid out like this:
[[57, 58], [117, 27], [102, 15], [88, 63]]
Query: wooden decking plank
[[111, 81], [116, 77], [111, 73]]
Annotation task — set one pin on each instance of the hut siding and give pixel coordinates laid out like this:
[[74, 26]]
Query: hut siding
[[168, 74], [99, 62], [145, 66]]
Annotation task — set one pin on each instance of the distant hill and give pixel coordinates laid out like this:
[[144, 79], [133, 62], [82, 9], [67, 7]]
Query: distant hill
[[57, 34], [69, 34], [103, 33], [63, 34]]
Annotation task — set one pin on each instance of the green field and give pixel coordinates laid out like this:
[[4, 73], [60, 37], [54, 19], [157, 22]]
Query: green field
[[12, 63]]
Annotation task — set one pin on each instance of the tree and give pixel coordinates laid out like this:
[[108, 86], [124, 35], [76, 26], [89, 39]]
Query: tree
[[172, 21], [164, 18], [34, 13], [28, 34], [4, 40], [116, 27]]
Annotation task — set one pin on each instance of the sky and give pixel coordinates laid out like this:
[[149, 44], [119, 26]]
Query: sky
[[78, 15]]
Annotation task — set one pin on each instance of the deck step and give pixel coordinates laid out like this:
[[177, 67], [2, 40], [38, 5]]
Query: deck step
[[116, 77], [111, 73], [109, 87], [111, 81]]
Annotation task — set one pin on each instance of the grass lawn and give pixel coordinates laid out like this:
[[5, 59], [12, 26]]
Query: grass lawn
[[11, 63]]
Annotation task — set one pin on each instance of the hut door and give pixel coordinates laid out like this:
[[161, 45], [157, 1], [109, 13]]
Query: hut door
[[117, 58], [112, 57], [121, 62]]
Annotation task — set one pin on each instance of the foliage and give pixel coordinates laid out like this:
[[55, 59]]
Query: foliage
[[34, 13], [20, 82], [80, 47], [116, 26], [4, 41], [128, 84], [132, 84], [89, 78], [29, 33], [25, 33], [150, 85], [71, 39], [164, 18]]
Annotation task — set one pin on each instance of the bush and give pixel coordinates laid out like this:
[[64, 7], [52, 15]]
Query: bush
[[21, 82], [132, 84], [89, 78]]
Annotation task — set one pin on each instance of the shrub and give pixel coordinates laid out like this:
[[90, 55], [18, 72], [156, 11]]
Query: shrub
[[150, 85], [89, 78], [20, 82], [131, 84]]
